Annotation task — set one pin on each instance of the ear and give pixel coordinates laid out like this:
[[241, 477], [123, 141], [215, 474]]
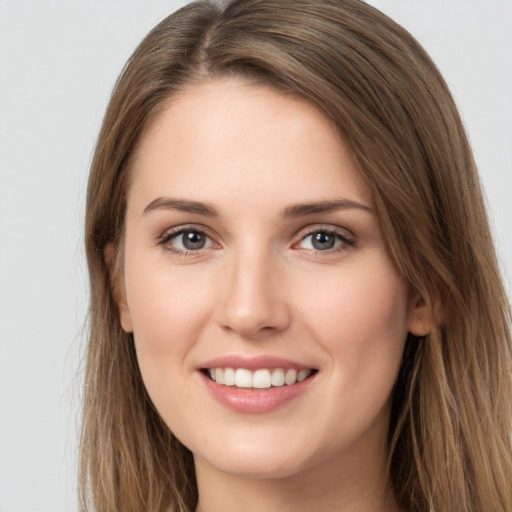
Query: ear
[[421, 317], [118, 288]]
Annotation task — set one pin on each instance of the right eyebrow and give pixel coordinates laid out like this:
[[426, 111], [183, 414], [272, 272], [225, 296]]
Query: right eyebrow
[[183, 205], [302, 210]]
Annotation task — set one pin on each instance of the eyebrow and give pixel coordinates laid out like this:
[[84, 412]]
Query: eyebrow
[[183, 205], [302, 210], [294, 211]]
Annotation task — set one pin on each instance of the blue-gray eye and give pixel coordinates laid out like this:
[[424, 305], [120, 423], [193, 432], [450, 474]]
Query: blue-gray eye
[[193, 240], [324, 240], [188, 240]]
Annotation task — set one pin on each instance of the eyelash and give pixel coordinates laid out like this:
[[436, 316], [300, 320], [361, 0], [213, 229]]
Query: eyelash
[[347, 241]]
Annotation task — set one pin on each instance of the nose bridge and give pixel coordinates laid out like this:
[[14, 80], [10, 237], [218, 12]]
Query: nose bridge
[[252, 299]]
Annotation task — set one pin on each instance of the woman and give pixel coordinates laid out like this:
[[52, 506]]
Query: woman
[[295, 301]]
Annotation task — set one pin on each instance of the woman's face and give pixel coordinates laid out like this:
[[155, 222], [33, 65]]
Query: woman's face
[[252, 245]]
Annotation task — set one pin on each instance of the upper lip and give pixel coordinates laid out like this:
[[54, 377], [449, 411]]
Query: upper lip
[[253, 363]]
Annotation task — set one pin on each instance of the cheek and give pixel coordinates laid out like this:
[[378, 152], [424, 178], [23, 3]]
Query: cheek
[[169, 306], [360, 321], [359, 316], [358, 304]]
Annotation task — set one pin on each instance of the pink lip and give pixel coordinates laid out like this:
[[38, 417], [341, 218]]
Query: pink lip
[[254, 401], [252, 363]]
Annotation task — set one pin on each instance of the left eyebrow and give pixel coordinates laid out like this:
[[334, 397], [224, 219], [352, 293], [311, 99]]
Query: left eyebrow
[[303, 209], [183, 205]]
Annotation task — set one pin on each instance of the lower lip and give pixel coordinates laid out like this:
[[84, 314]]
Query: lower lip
[[255, 401]]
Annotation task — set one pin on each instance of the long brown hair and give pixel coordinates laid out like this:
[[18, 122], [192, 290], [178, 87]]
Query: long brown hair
[[451, 423]]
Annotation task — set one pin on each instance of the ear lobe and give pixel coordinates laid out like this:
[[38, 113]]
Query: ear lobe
[[421, 317], [118, 289]]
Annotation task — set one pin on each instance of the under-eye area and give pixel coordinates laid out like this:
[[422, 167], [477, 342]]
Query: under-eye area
[[263, 378]]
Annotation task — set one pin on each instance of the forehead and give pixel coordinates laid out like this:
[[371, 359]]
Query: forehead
[[225, 137]]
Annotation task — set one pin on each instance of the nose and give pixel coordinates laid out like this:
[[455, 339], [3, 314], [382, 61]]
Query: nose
[[252, 302]]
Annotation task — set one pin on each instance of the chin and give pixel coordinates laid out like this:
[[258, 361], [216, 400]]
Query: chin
[[259, 459], [259, 468]]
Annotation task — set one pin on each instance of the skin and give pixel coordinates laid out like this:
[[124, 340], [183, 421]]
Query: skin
[[258, 286]]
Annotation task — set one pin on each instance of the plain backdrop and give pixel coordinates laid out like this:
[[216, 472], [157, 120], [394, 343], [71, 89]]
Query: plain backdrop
[[58, 63]]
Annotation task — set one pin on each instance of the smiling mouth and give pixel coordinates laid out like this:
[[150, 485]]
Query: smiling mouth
[[259, 379]]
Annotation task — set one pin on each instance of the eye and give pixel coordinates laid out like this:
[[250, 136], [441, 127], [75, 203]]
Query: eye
[[186, 240], [325, 240]]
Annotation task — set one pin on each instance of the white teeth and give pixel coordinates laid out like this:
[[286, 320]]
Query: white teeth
[[229, 377], [290, 377], [303, 375], [243, 378], [260, 379], [278, 377]]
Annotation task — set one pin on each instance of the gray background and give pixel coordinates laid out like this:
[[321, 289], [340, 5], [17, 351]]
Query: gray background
[[58, 63]]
